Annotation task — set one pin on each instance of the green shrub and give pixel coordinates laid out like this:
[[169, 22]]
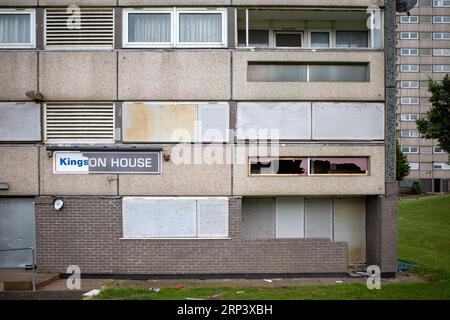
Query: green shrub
[[416, 188]]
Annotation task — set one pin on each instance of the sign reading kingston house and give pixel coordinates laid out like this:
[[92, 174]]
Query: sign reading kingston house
[[107, 162]]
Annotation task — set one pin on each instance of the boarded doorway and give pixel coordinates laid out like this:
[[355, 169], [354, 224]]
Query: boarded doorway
[[17, 230]]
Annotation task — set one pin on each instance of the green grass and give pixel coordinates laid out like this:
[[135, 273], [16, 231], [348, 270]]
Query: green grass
[[424, 235], [424, 239]]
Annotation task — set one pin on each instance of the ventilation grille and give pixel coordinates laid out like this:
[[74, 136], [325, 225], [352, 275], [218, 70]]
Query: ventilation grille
[[92, 123], [96, 28]]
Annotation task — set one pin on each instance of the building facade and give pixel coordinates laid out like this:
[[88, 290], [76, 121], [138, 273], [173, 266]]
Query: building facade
[[198, 137], [423, 50]]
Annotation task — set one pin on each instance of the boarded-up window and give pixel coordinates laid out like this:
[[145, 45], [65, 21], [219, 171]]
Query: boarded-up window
[[350, 226], [258, 218], [289, 217], [348, 121], [175, 217], [20, 122], [175, 122], [285, 121], [319, 218]]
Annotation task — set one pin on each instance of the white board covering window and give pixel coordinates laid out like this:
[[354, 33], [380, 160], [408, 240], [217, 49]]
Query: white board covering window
[[268, 120], [363, 121], [175, 217], [17, 28]]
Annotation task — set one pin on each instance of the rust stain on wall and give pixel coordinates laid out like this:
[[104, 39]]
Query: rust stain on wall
[[159, 123]]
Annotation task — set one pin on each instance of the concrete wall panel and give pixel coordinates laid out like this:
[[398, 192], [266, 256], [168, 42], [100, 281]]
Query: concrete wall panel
[[18, 74], [189, 3], [350, 91], [19, 168], [78, 75], [174, 75], [318, 3], [246, 185], [18, 3], [78, 2], [185, 174], [73, 184]]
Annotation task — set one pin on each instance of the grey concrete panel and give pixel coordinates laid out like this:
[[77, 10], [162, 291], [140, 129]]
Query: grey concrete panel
[[174, 75], [78, 2], [18, 3], [78, 75], [372, 90], [191, 171], [18, 74], [258, 218], [246, 185], [19, 168], [174, 2], [20, 121], [73, 184], [318, 3]]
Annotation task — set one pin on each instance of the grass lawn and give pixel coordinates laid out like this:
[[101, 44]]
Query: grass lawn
[[424, 239]]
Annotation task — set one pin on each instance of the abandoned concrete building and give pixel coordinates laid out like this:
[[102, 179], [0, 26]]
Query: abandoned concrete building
[[209, 137], [423, 42]]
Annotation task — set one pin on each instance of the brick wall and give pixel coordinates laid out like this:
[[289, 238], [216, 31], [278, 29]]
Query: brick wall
[[87, 232]]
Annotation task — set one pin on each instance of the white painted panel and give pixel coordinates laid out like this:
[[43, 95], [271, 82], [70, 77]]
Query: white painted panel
[[214, 122], [350, 227], [212, 217], [291, 120], [159, 217], [318, 218], [289, 217], [355, 121]]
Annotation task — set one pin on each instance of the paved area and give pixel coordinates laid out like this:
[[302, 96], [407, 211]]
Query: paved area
[[57, 290]]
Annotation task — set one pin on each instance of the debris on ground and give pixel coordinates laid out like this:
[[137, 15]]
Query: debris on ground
[[91, 293], [405, 266], [193, 298], [155, 289], [339, 281], [267, 280], [180, 287], [240, 292]]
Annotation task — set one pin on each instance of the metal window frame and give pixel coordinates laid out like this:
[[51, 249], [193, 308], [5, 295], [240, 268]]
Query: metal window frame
[[221, 11], [28, 45], [125, 25]]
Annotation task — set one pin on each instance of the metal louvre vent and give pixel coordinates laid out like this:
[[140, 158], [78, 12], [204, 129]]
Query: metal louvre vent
[[96, 28], [89, 123]]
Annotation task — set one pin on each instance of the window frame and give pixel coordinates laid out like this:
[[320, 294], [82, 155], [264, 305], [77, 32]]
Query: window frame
[[438, 152], [409, 151], [409, 33], [331, 41], [409, 84], [407, 117], [441, 19], [441, 34], [222, 44], [300, 32], [408, 20], [334, 41], [441, 3], [410, 68], [32, 43], [125, 19], [408, 50]]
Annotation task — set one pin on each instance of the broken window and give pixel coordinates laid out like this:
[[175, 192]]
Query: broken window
[[332, 166], [280, 166], [258, 38], [288, 39]]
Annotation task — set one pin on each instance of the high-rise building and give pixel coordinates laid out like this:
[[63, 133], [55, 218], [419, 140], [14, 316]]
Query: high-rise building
[[423, 52], [198, 137]]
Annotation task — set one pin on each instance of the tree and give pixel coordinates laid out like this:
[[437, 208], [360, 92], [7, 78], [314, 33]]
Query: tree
[[403, 166], [436, 123]]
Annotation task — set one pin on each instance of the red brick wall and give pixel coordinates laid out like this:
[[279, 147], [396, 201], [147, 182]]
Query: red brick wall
[[87, 232]]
